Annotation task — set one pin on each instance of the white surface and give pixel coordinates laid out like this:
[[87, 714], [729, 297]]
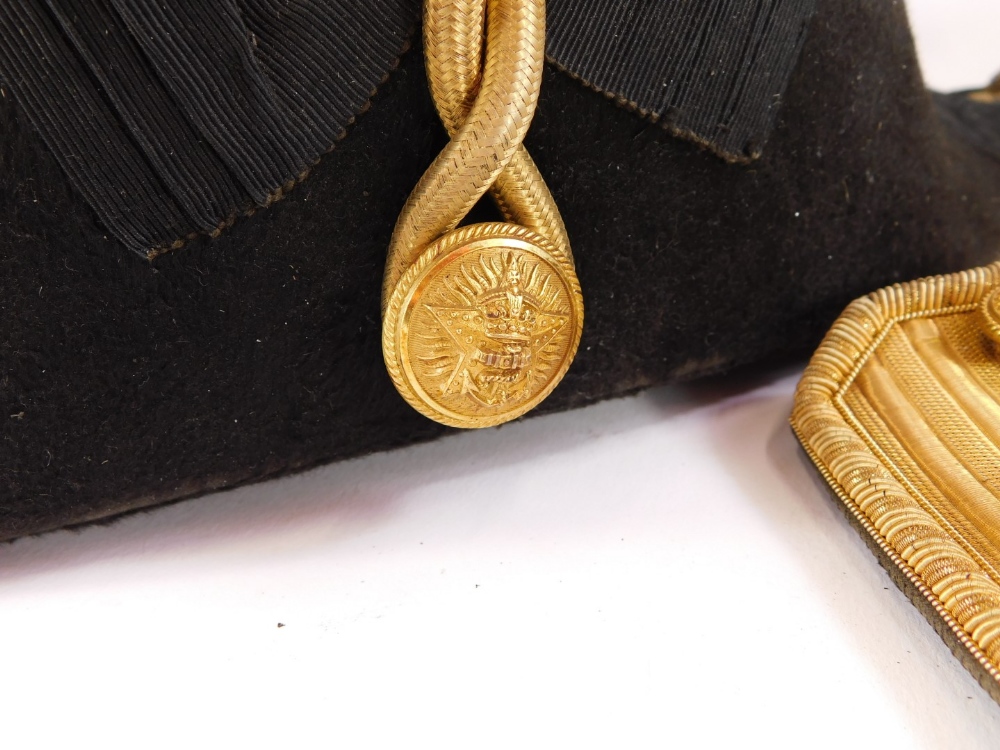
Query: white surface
[[656, 571], [956, 41]]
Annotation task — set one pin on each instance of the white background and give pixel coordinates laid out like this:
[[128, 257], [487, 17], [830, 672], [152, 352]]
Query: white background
[[661, 571]]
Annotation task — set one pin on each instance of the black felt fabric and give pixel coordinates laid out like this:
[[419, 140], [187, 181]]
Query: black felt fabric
[[974, 122], [126, 383]]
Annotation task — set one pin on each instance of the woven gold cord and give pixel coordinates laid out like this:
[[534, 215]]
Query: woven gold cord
[[481, 323], [453, 48]]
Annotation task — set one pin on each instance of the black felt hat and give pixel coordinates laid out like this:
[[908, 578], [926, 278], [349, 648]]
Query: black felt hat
[[731, 175]]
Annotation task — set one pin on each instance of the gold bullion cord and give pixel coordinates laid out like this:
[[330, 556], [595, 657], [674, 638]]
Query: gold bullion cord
[[484, 61], [487, 106]]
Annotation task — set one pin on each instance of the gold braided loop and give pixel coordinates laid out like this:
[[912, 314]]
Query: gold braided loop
[[484, 144], [480, 324], [453, 47]]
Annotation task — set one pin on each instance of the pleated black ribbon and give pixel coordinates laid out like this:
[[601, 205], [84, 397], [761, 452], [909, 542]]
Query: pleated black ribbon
[[173, 118]]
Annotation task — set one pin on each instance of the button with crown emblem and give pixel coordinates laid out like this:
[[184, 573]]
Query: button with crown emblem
[[480, 323], [483, 326]]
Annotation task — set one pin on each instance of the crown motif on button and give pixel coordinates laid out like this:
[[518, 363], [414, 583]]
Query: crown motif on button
[[510, 315]]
